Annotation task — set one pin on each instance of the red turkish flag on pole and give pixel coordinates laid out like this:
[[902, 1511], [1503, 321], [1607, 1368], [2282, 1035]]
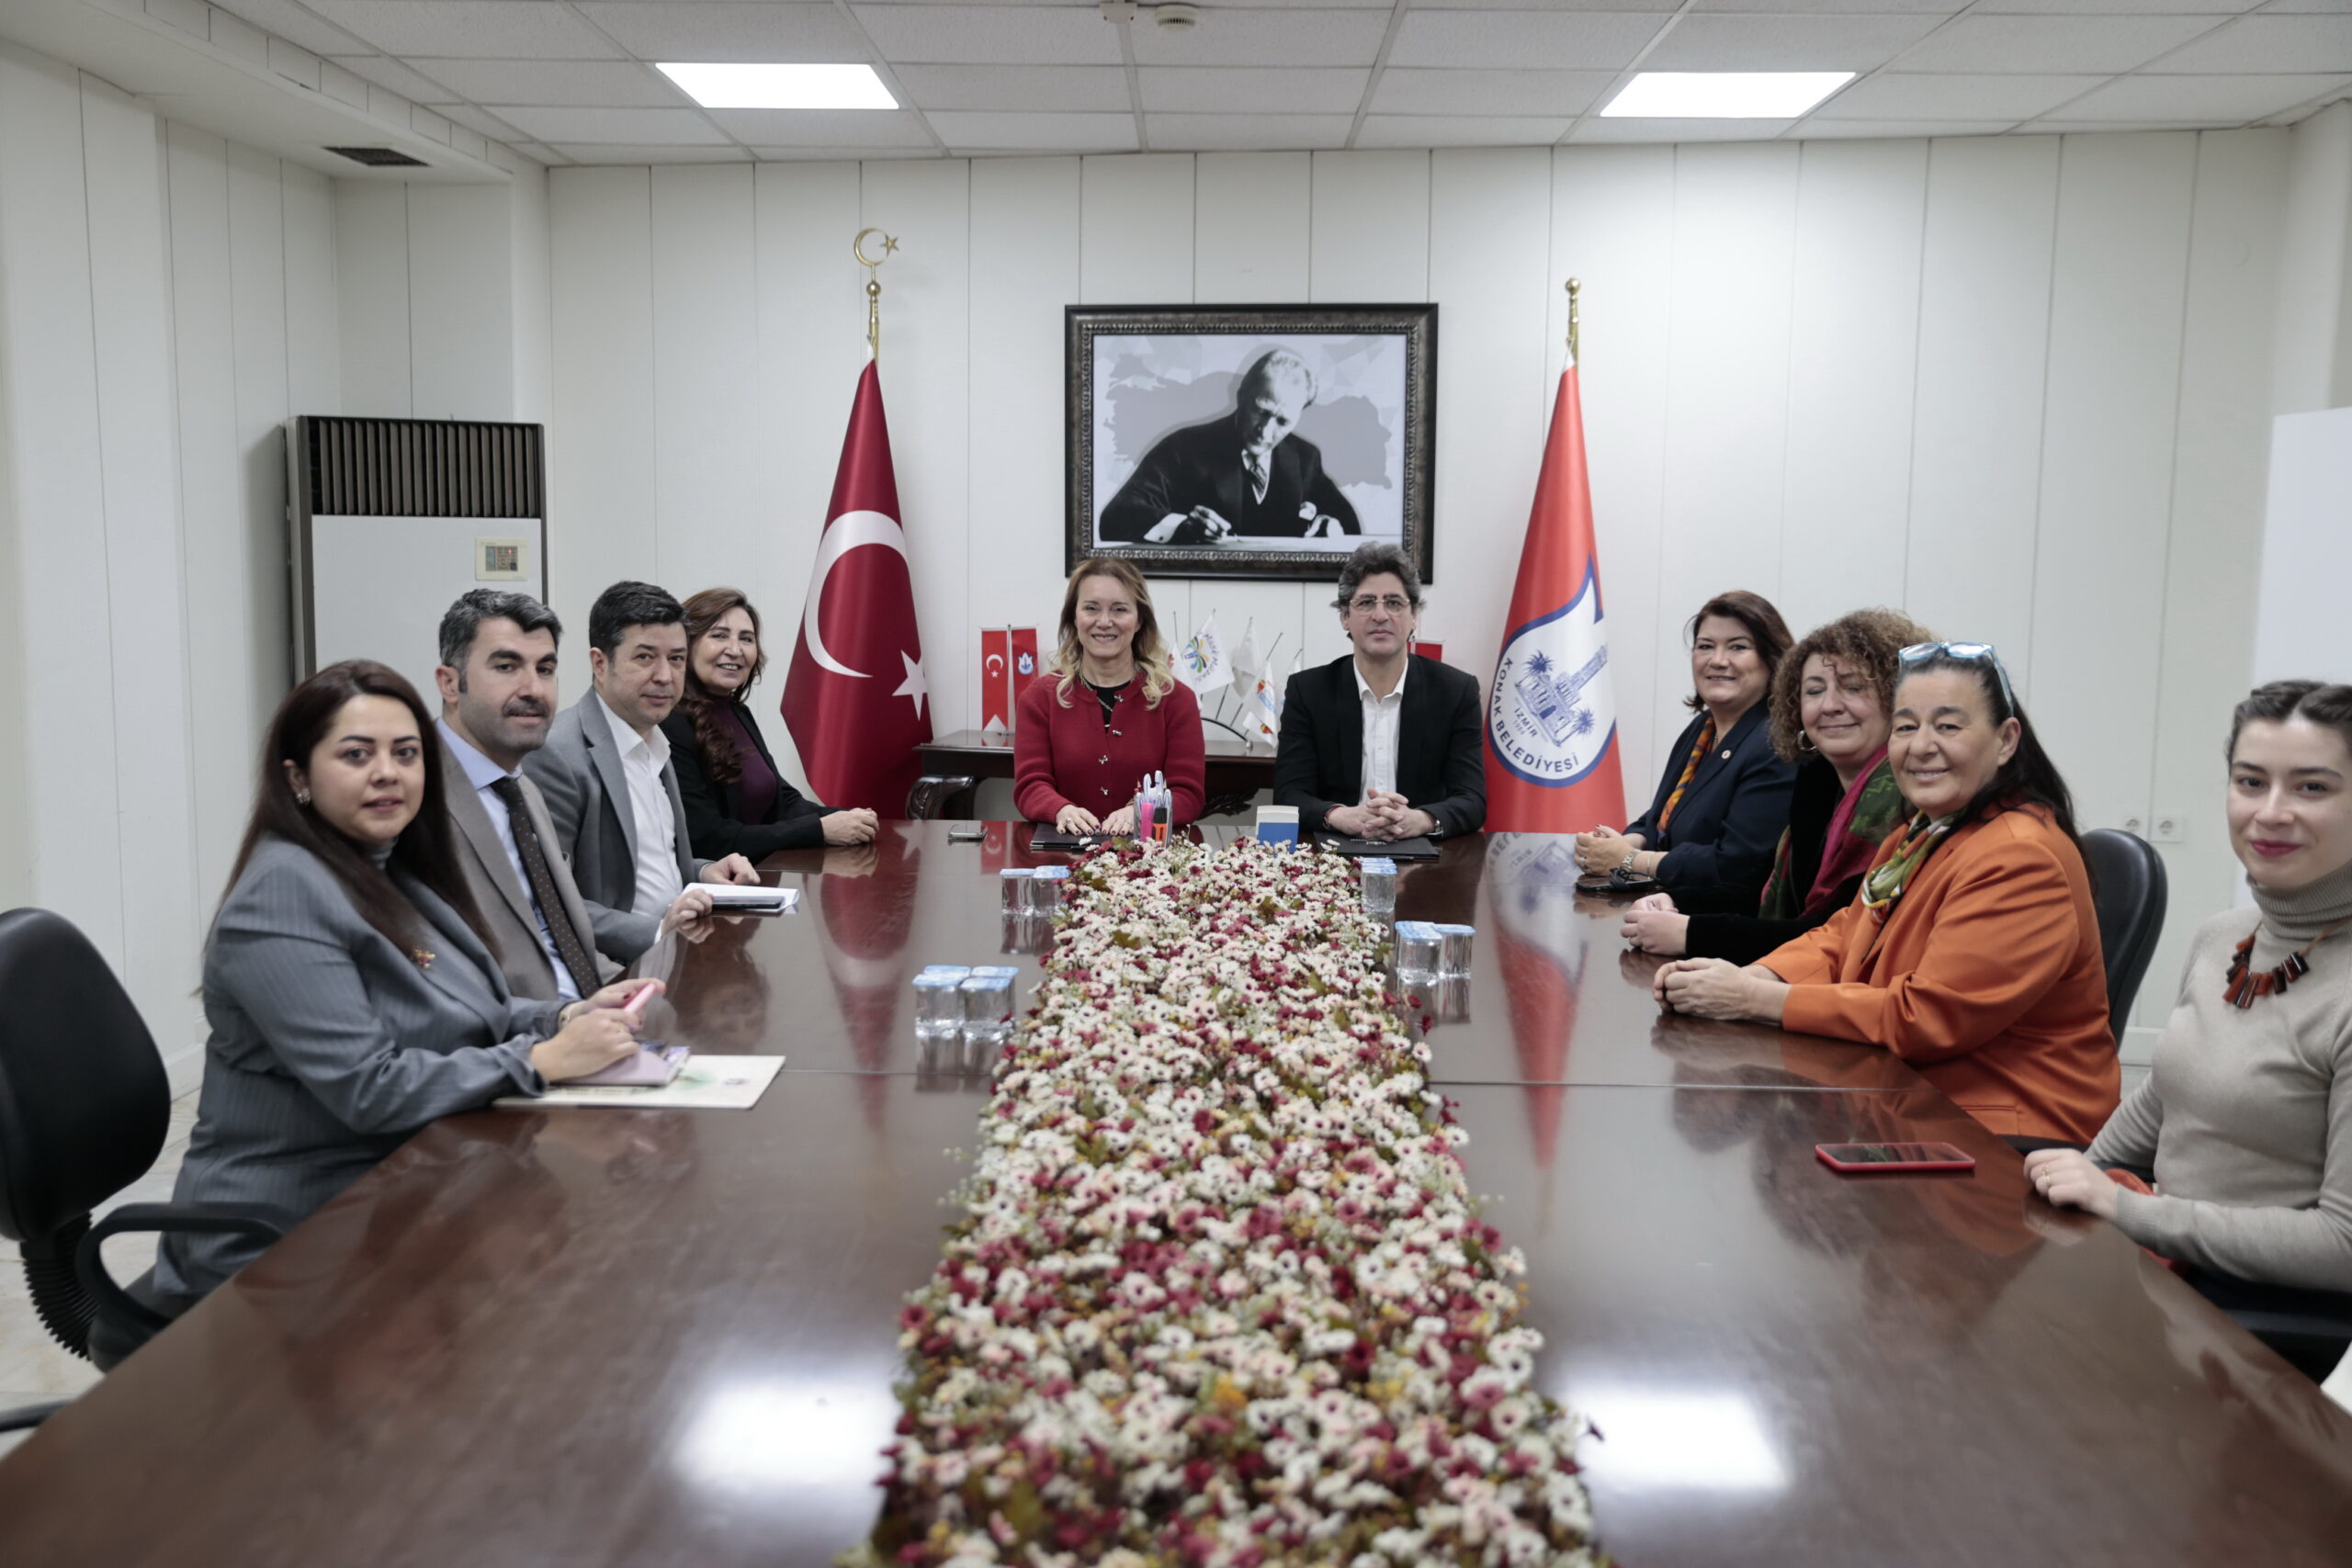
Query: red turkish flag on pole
[[856, 700], [1551, 763]]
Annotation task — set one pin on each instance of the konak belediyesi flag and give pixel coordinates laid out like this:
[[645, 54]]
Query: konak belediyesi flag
[[1552, 755], [855, 699]]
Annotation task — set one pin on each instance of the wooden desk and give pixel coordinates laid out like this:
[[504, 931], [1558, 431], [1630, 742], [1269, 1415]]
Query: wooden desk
[[641, 1339], [1235, 771]]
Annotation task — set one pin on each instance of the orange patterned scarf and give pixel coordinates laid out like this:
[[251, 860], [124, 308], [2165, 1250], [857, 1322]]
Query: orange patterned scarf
[[1689, 766]]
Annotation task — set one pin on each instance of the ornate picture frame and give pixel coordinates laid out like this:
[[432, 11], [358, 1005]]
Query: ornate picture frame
[[1166, 467]]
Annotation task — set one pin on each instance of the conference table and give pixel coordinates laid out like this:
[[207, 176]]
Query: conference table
[[614, 1337]]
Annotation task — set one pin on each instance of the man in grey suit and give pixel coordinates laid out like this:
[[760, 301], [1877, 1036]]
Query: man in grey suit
[[612, 796], [497, 685]]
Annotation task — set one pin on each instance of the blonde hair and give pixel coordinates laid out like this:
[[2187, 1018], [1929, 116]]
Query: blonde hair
[[1150, 653]]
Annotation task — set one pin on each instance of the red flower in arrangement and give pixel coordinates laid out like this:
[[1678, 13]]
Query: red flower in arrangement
[[1220, 1294]]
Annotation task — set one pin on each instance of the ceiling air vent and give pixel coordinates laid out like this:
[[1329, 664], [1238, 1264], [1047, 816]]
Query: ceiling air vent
[[378, 157]]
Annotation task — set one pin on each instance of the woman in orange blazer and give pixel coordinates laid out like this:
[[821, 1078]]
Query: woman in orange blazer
[[1972, 951]]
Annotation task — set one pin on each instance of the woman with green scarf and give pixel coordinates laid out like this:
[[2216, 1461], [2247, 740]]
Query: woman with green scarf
[[1832, 702]]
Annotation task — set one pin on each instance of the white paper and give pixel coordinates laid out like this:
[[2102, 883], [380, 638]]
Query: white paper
[[755, 895], [705, 1083]]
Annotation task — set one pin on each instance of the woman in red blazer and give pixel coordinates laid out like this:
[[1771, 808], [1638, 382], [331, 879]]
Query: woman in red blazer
[[1108, 712]]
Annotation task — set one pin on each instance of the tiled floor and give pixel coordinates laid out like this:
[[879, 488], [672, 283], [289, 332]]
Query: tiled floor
[[33, 1368]]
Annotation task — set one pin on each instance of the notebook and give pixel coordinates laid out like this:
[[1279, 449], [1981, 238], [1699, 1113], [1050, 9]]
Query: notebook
[[1395, 849]]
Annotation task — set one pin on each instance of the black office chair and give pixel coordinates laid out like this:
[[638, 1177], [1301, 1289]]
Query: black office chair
[[2128, 889], [84, 1105]]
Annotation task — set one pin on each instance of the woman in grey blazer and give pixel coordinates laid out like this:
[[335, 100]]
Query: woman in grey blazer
[[353, 990]]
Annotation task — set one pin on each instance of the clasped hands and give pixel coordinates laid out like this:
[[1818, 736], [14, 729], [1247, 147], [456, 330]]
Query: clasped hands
[[1385, 815], [1076, 818], [1205, 525], [1716, 989]]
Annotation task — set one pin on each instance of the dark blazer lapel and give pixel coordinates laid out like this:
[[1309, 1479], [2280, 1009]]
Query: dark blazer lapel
[[605, 755], [466, 809], [1347, 740], [1718, 762], [1420, 734]]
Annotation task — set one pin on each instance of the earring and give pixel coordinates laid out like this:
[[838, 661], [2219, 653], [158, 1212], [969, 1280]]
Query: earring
[[1806, 747], [302, 796]]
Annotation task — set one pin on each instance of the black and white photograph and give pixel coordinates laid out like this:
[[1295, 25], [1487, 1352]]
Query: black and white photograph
[[1257, 441]]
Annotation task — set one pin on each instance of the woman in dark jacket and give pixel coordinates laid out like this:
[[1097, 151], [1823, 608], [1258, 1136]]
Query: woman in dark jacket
[[1723, 798], [1831, 708], [737, 801]]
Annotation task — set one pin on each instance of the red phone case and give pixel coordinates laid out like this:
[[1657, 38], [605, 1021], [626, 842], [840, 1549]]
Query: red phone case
[[1935, 1156]]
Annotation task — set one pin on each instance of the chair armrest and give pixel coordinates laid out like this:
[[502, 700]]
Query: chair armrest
[[263, 1224], [28, 1415]]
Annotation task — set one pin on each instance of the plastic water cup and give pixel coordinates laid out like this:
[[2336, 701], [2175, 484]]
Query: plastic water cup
[[939, 1010], [1417, 952], [987, 1008], [1454, 951], [1379, 887], [1015, 884], [1044, 891]]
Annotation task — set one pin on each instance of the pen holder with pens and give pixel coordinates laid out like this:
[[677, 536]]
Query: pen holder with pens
[[1154, 803]]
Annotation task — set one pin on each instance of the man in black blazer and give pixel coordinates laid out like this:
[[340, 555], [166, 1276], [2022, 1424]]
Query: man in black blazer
[[1244, 474], [1382, 744]]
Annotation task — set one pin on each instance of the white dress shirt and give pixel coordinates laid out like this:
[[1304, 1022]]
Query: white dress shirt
[[642, 759], [484, 775], [1382, 717]]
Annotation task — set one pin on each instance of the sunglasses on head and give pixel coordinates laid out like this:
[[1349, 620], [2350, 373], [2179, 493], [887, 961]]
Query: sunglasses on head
[[1972, 652]]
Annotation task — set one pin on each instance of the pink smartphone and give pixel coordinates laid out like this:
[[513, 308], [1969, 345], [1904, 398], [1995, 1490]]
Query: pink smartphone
[[635, 1009]]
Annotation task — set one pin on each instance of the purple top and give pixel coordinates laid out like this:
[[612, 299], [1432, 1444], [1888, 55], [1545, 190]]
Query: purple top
[[755, 790]]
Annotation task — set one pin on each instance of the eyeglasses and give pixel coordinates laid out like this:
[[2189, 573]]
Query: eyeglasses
[[1972, 652], [1364, 604]]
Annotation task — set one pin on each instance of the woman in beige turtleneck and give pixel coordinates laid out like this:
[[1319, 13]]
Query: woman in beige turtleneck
[[2247, 1115]]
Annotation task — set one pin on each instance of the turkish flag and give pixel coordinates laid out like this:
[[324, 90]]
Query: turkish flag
[[856, 701], [1552, 762], [1430, 649], [996, 679]]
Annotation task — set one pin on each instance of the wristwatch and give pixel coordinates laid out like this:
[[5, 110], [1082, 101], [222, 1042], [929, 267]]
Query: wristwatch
[[1625, 866]]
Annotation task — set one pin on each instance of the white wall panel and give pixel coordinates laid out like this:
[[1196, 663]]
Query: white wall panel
[[258, 308], [534, 323], [928, 390], [130, 300], [461, 300], [706, 373], [602, 499], [313, 331], [2106, 471], [1853, 346], [2212, 572], [812, 346], [1976, 442], [372, 297], [1612, 228]]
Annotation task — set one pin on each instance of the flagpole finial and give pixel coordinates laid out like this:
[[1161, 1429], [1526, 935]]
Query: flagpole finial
[[1576, 286], [873, 286]]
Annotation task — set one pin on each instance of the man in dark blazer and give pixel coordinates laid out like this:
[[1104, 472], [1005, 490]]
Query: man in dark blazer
[[497, 683], [1244, 474], [612, 794], [1382, 744]]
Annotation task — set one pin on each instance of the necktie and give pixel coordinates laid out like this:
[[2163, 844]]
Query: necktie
[[1256, 465], [535, 869]]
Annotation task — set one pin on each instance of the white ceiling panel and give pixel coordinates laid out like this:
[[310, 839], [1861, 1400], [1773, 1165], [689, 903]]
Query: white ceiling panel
[[1266, 37], [991, 35], [2333, 7], [644, 128], [835, 154], [2269, 43], [482, 122], [2115, 7], [2010, 99], [1488, 92], [821, 128], [1309, 5], [965, 132], [597, 153], [470, 29], [2106, 44], [295, 23], [1894, 129], [609, 84], [393, 76], [1599, 130], [1247, 132], [1785, 43], [2199, 100], [727, 31], [1657, 7], [1232, 90], [1562, 40], [1053, 88], [1461, 131], [1837, 7]]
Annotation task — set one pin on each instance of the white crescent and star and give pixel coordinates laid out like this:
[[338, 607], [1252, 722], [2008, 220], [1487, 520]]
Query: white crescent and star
[[848, 532]]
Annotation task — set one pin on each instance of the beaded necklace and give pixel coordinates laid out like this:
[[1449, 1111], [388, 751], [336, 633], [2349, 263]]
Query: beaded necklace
[[2243, 990]]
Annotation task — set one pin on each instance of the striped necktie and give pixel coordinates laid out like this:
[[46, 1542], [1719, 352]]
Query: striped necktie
[[536, 871]]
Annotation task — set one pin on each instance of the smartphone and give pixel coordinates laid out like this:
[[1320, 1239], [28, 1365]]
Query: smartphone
[[1892, 1157], [634, 1010], [967, 833]]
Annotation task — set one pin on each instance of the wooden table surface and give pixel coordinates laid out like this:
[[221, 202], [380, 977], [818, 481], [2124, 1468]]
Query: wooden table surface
[[635, 1338]]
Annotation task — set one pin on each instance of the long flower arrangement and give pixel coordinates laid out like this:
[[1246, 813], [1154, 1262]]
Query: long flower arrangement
[[1220, 1295]]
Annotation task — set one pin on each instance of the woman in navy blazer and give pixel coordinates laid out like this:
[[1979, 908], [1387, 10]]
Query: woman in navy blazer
[[1724, 797]]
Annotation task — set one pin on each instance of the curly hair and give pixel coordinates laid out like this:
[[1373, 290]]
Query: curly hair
[[1151, 652], [714, 738], [1866, 640]]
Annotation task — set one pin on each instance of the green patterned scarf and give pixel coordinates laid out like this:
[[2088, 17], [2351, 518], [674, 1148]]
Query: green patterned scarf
[[1884, 885], [1871, 810]]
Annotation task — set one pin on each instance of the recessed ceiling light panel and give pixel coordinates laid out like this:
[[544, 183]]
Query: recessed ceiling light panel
[[1722, 94], [729, 87]]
